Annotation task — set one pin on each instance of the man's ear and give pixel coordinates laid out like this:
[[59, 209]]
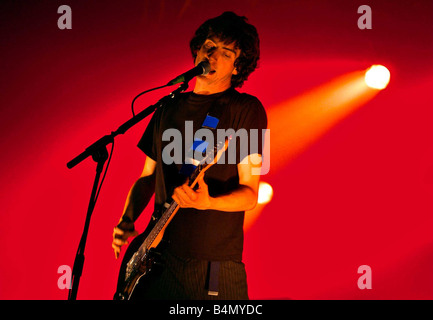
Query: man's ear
[[235, 72]]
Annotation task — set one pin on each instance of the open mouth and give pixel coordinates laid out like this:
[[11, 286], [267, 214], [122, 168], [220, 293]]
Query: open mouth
[[212, 72]]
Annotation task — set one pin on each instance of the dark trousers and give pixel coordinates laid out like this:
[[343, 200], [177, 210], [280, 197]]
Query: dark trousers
[[188, 279]]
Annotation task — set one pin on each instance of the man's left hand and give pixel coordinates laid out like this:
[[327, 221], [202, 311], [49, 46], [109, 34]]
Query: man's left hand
[[186, 197]]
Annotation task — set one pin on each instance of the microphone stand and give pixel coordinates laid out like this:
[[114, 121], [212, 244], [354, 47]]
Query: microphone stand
[[99, 154]]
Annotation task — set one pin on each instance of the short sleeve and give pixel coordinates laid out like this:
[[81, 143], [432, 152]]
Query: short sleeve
[[148, 143], [253, 121]]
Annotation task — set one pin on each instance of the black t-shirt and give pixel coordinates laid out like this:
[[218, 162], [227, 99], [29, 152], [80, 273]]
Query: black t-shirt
[[203, 234]]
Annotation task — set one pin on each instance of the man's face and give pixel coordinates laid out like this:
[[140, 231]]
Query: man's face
[[221, 57]]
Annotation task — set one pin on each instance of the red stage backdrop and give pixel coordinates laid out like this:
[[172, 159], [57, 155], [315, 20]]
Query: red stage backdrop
[[358, 194]]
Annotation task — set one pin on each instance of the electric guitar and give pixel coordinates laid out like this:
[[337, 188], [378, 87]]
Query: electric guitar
[[141, 255]]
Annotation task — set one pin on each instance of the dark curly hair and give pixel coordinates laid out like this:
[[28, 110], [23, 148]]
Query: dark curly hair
[[228, 28]]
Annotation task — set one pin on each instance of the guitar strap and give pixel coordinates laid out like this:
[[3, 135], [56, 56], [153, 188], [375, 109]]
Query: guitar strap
[[199, 146]]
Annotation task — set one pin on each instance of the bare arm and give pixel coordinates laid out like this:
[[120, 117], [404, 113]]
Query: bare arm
[[138, 197]]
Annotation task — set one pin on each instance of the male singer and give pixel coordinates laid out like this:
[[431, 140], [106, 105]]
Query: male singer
[[202, 247]]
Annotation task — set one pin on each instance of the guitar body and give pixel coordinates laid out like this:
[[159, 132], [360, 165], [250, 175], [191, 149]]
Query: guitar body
[[126, 284], [124, 290]]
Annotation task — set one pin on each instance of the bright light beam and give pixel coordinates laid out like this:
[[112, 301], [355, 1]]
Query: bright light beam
[[264, 197], [265, 193], [300, 121]]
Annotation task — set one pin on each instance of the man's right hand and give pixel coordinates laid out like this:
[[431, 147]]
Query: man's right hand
[[120, 238]]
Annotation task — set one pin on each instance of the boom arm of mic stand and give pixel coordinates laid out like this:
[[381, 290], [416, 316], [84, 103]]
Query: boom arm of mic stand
[[107, 139]]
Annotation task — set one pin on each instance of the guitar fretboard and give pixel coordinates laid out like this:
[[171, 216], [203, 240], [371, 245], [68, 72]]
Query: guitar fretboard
[[157, 229]]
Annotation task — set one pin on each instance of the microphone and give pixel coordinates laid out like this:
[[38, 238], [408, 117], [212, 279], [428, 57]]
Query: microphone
[[202, 68]]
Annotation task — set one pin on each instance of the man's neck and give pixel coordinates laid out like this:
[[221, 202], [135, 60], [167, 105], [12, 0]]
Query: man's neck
[[205, 89]]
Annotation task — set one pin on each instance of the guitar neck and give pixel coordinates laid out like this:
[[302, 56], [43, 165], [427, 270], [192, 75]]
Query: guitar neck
[[159, 226]]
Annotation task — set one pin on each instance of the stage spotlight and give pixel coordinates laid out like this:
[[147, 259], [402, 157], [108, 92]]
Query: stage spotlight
[[265, 193], [377, 77]]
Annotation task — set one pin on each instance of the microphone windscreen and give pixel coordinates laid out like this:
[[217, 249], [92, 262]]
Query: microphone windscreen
[[206, 67]]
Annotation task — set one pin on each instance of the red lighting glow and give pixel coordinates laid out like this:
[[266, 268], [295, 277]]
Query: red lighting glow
[[350, 165]]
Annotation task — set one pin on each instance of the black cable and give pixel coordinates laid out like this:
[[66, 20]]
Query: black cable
[[112, 144], [132, 105]]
